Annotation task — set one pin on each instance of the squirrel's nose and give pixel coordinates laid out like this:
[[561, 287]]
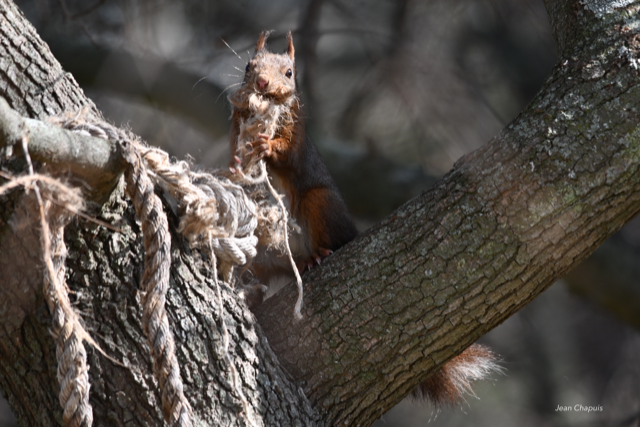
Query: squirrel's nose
[[262, 82]]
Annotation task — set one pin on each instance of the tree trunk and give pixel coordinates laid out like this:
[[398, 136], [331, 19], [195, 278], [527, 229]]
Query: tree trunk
[[381, 314], [104, 269]]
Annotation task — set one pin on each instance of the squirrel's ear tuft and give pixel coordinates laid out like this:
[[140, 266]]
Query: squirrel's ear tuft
[[290, 50], [262, 40]]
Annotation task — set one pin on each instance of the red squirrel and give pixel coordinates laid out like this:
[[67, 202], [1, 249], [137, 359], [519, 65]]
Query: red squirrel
[[267, 119], [312, 198]]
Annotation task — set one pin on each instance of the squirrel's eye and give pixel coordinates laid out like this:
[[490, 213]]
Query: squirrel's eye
[[289, 73], [246, 70]]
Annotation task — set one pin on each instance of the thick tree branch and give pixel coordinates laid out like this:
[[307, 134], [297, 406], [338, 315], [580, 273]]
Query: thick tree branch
[[509, 219], [95, 162]]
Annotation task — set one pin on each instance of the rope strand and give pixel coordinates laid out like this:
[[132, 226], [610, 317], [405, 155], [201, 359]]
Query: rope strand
[[155, 282], [73, 372]]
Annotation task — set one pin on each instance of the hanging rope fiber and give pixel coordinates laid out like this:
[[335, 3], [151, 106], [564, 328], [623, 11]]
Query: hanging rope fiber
[[55, 203]]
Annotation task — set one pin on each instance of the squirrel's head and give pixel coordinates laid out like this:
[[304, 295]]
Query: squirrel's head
[[272, 74]]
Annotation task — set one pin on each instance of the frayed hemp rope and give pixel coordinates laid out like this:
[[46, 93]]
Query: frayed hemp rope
[[73, 371], [66, 328], [215, 215], [155, 282], [213, 210], [56, 204], [155, 279]]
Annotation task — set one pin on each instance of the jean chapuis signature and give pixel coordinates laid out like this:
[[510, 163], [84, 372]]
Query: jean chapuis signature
[[579, 408]]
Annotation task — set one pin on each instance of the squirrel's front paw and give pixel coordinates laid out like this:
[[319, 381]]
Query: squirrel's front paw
[[260, 147]]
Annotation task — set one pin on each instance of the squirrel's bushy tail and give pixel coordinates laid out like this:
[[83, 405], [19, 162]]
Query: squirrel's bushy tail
[[449, 385]]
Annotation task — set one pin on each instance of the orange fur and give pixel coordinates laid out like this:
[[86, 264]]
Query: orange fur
[[313, 207], [449, 384]]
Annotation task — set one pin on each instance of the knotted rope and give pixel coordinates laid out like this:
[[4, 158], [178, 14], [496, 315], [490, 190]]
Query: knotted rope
[[155, 283], [216, 215], [214, 212]]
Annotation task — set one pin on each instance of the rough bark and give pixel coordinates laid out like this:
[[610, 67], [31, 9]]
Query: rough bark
[[381, 314], [31, 79]]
